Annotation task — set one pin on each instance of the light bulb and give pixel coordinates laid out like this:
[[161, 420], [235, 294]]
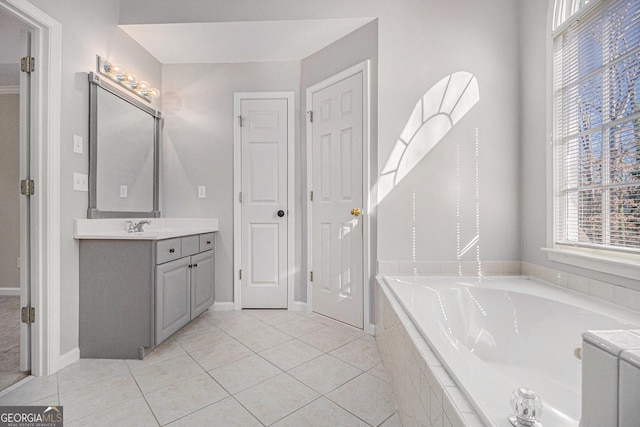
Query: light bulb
[[154, 92], [131, 80], [143, 86], [117, 71]]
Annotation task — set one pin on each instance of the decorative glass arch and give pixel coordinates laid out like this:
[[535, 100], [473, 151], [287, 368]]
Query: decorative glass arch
[[564, 9]]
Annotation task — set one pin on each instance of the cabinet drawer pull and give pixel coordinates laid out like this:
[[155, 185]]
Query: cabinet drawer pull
[[190, 265], [195, 265], [208, 242], [171, 250]]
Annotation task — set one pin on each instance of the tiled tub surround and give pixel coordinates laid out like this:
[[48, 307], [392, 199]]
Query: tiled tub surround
[[491, 339], [611, 378]]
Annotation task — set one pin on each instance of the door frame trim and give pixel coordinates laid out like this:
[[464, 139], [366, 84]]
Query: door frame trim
[[238, 97], [45, 171], [364, 68]]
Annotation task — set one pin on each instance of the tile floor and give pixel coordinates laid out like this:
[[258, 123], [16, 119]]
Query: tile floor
[[249, 368]]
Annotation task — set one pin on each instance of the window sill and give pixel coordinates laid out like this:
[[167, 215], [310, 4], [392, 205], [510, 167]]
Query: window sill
[[597, 262]]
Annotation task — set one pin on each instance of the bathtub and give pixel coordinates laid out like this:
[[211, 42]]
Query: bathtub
[[495, 334]]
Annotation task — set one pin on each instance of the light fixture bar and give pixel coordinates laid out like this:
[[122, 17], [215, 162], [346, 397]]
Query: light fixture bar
[[115, 72]]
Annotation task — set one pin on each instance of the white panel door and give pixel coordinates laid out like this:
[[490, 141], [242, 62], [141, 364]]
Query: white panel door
[[264, 203], [337, 239]]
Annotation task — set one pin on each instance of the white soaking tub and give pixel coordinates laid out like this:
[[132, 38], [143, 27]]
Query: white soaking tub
[[496, 334]]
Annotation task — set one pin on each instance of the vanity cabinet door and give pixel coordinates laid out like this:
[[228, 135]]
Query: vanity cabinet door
[[202, 284], [173, 297]]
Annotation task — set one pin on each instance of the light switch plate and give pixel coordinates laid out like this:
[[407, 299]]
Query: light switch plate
[[77, 144], [80, 182], [202, 192], [124, 191]]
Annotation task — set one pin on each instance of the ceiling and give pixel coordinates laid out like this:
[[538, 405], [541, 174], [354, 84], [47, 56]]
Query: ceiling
[[232, 42]]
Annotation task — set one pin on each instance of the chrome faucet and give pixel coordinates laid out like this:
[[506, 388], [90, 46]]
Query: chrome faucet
[[136, 227]]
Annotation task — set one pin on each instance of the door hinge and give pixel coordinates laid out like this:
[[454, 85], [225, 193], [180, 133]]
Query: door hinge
[[240, 197], [27, 64], [27, 187], [312, 276], [310, 113], [311, 195], [28, 314], [240, 121], [240, 274]]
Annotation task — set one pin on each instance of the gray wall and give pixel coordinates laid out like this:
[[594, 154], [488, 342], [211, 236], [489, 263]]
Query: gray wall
[[9, 190], [198, 143], [88, 28], [535, 129]]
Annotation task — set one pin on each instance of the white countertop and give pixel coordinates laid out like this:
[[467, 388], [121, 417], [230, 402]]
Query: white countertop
[[160, 228]]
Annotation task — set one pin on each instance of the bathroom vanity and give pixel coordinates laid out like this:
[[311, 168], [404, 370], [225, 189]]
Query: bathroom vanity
[[137, 289]]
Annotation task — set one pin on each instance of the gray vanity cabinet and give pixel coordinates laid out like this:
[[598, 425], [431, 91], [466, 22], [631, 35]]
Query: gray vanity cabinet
[[184, 287], [135, 293]]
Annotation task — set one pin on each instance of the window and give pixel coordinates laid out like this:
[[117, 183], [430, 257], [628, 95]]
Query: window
[[597, 125]]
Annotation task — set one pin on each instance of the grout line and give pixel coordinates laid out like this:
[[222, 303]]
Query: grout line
[[153, 414]]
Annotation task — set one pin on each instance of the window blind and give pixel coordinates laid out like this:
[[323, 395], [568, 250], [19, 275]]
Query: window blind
[[597, 128]]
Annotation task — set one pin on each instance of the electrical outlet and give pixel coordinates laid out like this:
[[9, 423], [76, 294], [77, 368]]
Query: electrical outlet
[[80, 182], [202, 192], [124, 191], [77, 144]]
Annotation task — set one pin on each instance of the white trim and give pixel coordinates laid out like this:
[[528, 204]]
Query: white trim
[[222, 306], [45, 171], [9, 291], [70, 357], [596, 262], [16, 385], [372, 329], [237, 187], [9, 90], [299, 306], [363, 68]]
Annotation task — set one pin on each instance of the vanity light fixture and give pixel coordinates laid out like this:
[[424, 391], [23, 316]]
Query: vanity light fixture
[[128, 80]]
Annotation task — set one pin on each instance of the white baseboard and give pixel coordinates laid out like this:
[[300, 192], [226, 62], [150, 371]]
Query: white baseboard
[[69, 357], [372, 329], [222, 306], [9, 291], [298, 306]]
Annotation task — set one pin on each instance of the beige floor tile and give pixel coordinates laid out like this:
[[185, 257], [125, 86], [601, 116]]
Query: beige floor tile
[[244, 373], [167, 372], [226, 351], [32, 390], [324, 373], [367, 397], [392, 421], [202, 322], [219, 317], [360, 353], [299, 326], [327, 339], [227, 413], [321, 413], [168, 349], [273, 317], [52, 400], [86, 371], [243, 326], [379, 372], [276, 398], [182, 398], [263, 339], [98, 396], [290, 354], [131, 412], [194, 340]]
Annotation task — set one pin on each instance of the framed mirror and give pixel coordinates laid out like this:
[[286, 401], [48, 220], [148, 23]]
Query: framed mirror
[[124, 144]]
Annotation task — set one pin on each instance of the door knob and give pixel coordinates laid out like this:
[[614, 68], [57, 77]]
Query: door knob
[[355, 212], [280, 213]]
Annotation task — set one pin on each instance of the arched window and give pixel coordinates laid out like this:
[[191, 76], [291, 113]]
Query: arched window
[[596, 104], [564, 9]]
